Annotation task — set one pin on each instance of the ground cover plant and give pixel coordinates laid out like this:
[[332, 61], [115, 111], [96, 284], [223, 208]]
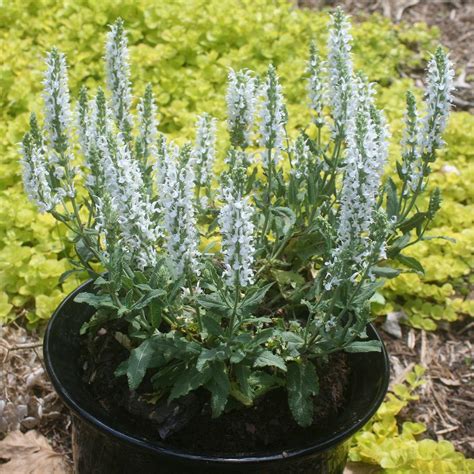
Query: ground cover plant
[[302, 251]]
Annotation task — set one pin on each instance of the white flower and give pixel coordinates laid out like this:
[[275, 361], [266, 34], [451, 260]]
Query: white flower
[[237, 159], [176, 201], [118, 77], [98, 127], [365, 159], [148, 123], [237, 229], [136, 214], [411, 157], [57, 122], [301, 158], [56, 101], [166, 153], [82, 114], [315, 70], [204, 153], [272, 118], [36, 177], [423, 136], [340, 70], [241, 101], [438, 101]]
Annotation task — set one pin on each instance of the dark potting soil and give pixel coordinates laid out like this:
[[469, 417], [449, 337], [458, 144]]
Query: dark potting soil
[[186, 423]]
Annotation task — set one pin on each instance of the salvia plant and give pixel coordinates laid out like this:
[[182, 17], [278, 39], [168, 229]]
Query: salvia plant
[[247, 281]]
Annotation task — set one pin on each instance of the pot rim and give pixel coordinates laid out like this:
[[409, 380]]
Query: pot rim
[[180, 454]]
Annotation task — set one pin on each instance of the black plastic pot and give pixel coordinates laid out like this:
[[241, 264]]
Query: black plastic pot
[[109, 445]]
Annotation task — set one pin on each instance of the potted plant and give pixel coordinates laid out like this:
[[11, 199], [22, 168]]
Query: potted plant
[[226, 326]]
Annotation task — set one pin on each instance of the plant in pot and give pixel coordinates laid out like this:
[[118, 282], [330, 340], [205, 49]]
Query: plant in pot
[[226, 325]]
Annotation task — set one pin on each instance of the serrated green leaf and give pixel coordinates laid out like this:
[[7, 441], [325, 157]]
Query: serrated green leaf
[[209, 355], [302, 385], [269, 359], [189, 380], [138, 363], [254, 298], [219, 386], [96, 301]]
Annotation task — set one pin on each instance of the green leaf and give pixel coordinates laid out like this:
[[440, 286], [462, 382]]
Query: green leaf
[[254, 298], [285, 218], [219, 386], [214, 302], [302, 385], [96, 301], [399, 244], [392, 199], [284, 278], [210, 326], [189, 380], [414, 221], [209, 355], [242, 374], [83, 250], [411, 262], [138, 363], [385, 272], [364, 346], [148, 298], [267, 358]]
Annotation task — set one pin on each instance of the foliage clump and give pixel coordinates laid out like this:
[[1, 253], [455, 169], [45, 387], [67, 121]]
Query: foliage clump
[[397, 449], [301, 231]]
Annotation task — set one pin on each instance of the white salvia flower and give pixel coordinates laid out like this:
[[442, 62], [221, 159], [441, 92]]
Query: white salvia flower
[[411, 157], [204, 153], [177, 204], [36, 178], [438, 101], [423, 136], [118, 76], [273, 118], [315, 70], [98, 128], [166, 153], [237, 159], [365, 159], [82, 114], [301, 158], [340, 70], [237, 229], [241, 102], [58, 117], [99, 123], [56, 101], [148, 123], [136, 213]]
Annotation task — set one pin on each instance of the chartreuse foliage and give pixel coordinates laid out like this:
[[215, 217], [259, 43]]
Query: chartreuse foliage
[[398, 450]]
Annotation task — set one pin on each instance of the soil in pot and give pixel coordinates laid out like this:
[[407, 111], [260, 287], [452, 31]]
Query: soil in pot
[[187, 423]]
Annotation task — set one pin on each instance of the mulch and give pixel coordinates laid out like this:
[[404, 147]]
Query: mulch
[[446, 403], [453, 18]]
